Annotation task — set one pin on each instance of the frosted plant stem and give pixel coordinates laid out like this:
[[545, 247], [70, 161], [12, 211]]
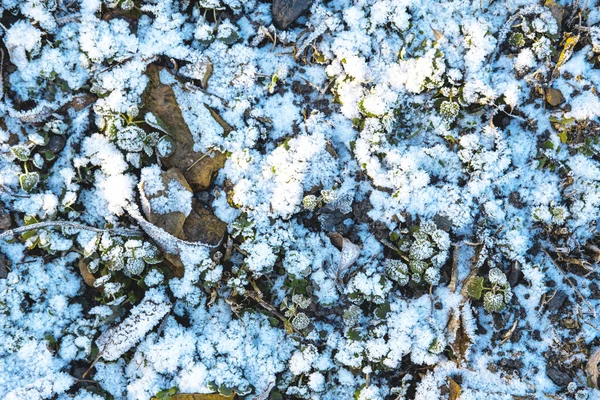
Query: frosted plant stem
[[66, 224]]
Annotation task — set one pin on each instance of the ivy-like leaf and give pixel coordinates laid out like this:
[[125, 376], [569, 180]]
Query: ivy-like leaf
[[21, 151], [475, 288], [29, 181]]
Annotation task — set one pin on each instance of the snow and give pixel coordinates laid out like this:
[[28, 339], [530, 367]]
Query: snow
[[413, 135]]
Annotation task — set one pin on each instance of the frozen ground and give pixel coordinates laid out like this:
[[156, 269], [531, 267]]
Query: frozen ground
[[389, 199]]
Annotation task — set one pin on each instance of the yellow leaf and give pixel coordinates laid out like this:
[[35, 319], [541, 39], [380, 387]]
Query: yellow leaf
[[198, 396], [454, 389], [566, 53]]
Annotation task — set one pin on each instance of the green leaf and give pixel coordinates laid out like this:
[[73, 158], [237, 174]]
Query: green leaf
[[49, 155], [563, 137], [29, 181], [383, 310], [475, 288], [225, 391], [21, 151], [353, 334], [548, 144]]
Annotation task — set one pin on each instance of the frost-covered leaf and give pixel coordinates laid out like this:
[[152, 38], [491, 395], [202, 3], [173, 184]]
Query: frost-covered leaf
[[349, 255], [29, 181], [21, 152], [131, 139], [475, 288], [198, 396], [164, 146], [493, 302], [143, 317]]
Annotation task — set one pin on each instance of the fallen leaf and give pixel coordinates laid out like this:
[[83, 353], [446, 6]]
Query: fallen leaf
[[438, 35], [199, 169], [198, 396], [454, 389], [87, 276], [569, 44], [226, 127], [591, 368], [350, 253]]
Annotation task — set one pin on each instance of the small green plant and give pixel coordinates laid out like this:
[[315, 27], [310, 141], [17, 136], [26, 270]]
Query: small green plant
[[166, 394], [424, 250], [496, 291]]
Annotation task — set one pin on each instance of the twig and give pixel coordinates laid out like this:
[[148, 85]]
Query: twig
[[91, 366], [510, 332], [454, 276], [200, 158], [571, 283], [9, 233]]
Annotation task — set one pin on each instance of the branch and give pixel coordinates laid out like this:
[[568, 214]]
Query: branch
[[10, 233]]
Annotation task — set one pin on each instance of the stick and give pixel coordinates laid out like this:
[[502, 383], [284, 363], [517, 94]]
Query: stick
[[9, 233]]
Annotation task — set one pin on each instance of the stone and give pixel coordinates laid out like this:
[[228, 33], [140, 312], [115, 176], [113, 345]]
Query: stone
[[557, 301], [560, 378], [5, 220], [4, 266], [198, 169], [203, 226], [557, 12], [287, 11], [554, 97], [56, 143]]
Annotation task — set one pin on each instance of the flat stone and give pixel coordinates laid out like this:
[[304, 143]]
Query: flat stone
[[554, 97], [5, 220], [287, 11], [560, 378], [56, 143], [4, 266], [557, 301]]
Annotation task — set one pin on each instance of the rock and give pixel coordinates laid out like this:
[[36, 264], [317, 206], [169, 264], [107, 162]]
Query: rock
[[5, 220], [557, 301], [508, 363], [203, 226], [287, 11], [171, 222], [554, 97], [560, 378], [4, 266], [198, 169], [557, 12], [56, 143]]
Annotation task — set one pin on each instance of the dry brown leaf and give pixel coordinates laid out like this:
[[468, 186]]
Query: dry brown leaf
[[591, 368], [438, 35], [226, 127], [462, 341], [87, 276]]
